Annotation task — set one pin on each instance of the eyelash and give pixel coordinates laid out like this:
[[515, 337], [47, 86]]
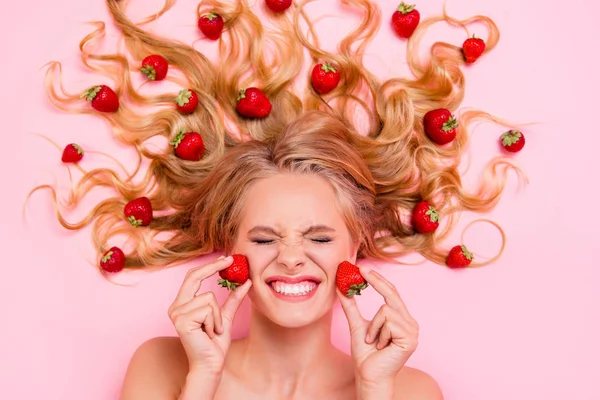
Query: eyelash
[[266, 241]]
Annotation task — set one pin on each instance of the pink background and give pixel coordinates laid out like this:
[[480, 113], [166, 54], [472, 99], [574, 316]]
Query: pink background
[[526, 327]]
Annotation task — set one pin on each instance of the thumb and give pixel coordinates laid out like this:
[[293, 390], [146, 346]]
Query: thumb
[[350, 307], [233, 302]]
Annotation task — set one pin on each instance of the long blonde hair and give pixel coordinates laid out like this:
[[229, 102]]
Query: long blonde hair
[[379, 172]]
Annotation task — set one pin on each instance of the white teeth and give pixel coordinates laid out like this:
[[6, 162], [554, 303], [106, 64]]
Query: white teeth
[[297, 289]]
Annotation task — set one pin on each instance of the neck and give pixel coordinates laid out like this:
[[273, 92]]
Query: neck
[[286, 355]]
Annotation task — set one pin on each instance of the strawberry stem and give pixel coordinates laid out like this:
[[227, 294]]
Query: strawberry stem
[[434, 216], [91, 93], [107, 256], [183, 97], [327, 67], [242, 94], [450, 124], [510, 137], [467, 253], [175, 142], [228, 284], [149, 72], [405, 8], [356, 289], [211, 15]]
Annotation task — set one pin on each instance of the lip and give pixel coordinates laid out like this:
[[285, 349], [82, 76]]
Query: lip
[[292, 280]]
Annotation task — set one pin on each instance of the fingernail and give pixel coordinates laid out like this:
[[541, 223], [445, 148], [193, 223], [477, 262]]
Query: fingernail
[[228, 258], [364, 270], [368, 339], [220, 258]]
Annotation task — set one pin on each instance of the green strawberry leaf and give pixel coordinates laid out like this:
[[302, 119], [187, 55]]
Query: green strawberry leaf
[[405, 8], [79, 149], [175, 142], [211, 16], [450, 124], [107, 256], [91, 93], [134, 222], [467, 253], [433, 214], [511, 137], [227, 284], [242, 94], [149, 72], [327, 67], [183, 97]]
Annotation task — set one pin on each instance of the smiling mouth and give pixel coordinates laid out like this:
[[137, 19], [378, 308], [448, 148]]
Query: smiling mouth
[[293, 289]]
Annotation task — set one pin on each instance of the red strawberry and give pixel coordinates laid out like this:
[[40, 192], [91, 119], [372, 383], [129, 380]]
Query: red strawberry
[[138, 212], [252, 103], [472, 49], [440, 125], [103, 98], [188, 146], [211, 25], [425, 218], [236, 274], [512, 141], [405, 20], [155, 67], [113, 260], [278, 5], [459, 257], [349, 280], [187, 101], [325, 77], [72, 153]]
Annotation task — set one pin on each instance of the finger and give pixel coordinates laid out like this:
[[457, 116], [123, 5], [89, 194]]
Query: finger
[[350, 307], [376, 325], [192, 320], [193, 280], [385, 336], [233, 301], [386, 289], [199, 301]]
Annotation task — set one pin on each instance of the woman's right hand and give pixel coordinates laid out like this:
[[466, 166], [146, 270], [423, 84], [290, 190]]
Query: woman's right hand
[[203, 327]]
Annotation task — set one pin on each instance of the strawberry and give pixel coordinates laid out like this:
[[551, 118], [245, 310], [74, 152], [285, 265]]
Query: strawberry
[[113, 260], [512, 141], [188, 146], [211, 25], [405, 20], [324, 78], [252, 103], [278, 5], [236, 274], [440, 125], [138, 212], [186, 101], [103, 98], [349, 280], [72, 153], [459, 257], [425, 218], [155, 67], [472, 49]]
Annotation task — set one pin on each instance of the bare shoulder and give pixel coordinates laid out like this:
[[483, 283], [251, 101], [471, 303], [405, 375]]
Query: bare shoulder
[[157, 370], [414, 384]]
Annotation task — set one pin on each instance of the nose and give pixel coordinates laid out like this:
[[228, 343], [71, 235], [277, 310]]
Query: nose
[[291, 254]]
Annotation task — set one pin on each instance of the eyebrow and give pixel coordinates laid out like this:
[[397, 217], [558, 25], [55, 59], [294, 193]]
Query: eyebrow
[[311, 229]]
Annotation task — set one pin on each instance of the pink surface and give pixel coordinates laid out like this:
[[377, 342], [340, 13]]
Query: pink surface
[[526, 327]]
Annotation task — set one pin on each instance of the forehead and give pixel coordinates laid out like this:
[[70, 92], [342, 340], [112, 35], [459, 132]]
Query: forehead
[[291, 201]]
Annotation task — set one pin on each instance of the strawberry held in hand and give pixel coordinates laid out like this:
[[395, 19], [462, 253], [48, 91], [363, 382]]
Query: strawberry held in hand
[[138, 212], [425, 218], [186, 101], [252, 103], [236, 274], [188, 146], [349, 280], [440, 125], [211, 25], [472, 49], [103, 98], [155, 67], [324, 78], [459, 257], [72, 153], [113, 260], [405, 20], [278, 5], [512, 140]]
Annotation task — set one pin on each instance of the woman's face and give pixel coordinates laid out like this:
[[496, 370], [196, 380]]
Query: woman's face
[[294, 238]]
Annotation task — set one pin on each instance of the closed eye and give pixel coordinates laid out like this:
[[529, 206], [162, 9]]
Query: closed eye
[[263, 241], [321, 240]]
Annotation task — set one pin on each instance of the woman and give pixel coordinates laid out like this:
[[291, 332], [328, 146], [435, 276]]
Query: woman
[[299, 205], [297, 191]]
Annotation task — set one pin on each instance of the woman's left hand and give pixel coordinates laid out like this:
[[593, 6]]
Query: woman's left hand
[[380, 347]]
